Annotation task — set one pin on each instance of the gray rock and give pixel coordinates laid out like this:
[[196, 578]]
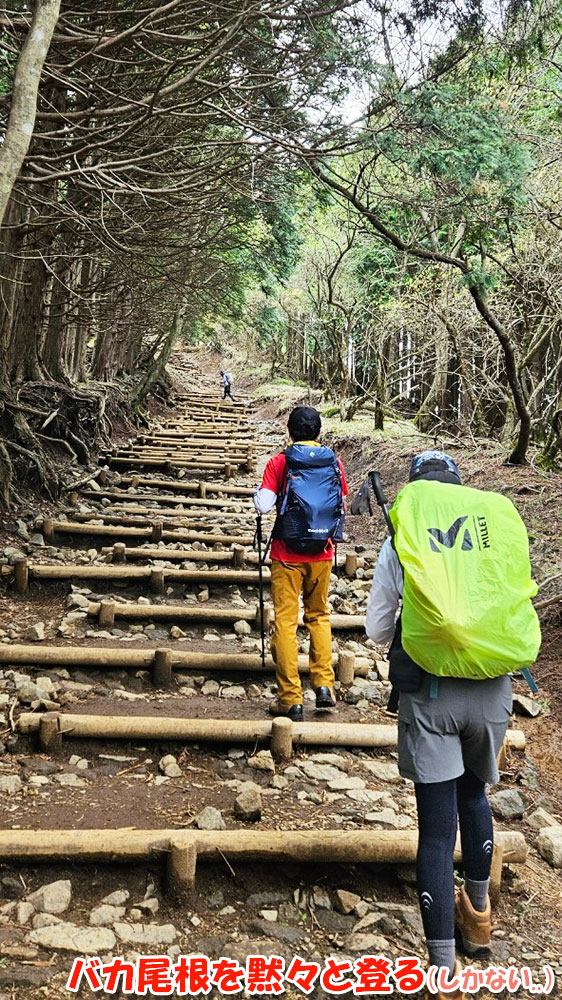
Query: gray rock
[[12, 554], [10, 784], [45, 920], [292, 935], [105, 915], [35, 633], [117, 898], [367, 921], [70, 780], [527, 777], [29, 692], [321, 772], [233, 691], [407, 915], [210, 688], [549, 843], [242, 627], [24, 912], [337, 760], [79, 940], [146, 934], [150, 905], [25, 975], [334, 923], [169, 766], [321, 898], [55, 897], [524, 705], [210, 819], [388, 819], [383, 770], [367, 944], [262, 761], [248, 804], [46, 686], [346, 901], [508, 804], [540, 818], [347, 783]]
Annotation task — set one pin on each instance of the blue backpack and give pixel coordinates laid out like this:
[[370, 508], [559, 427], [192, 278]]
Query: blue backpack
[[310, 511]]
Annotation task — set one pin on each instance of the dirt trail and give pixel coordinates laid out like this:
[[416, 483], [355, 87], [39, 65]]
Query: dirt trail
[[238, 908]]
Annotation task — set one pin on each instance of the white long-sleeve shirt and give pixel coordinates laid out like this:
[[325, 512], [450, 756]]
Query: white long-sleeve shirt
[[386, 594], [264, 499]]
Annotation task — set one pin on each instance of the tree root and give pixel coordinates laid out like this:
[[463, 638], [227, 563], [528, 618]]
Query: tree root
[[44, 424]]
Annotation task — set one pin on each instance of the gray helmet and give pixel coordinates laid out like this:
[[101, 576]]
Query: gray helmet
[[435, 465]]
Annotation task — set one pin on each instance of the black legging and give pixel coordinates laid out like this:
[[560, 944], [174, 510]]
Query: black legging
[[438, 807]]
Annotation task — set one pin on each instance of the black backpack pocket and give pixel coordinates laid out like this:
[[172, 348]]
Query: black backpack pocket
[[405, 675]]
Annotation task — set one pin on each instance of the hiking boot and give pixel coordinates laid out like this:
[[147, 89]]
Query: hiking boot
[[294, 712], [324, 699], [475, 927], [455, 995]]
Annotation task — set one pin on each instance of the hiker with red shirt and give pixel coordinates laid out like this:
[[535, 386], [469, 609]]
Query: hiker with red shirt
[[307, 485]]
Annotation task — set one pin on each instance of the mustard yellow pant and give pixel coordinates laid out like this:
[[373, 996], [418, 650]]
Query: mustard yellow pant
[[287, 582]]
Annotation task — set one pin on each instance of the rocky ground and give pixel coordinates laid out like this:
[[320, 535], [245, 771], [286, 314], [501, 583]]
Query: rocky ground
[[51, 914]]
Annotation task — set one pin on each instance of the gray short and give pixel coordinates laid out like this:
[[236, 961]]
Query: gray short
[[462, 727]]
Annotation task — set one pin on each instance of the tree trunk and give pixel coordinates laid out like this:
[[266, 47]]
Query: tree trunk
[[426, 417], [21, 122], [519, 454]]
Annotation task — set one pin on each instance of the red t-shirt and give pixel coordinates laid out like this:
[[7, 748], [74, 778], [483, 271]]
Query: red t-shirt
[[274, 478]]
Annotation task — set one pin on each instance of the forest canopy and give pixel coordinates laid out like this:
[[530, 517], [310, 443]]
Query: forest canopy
[[370, 192]]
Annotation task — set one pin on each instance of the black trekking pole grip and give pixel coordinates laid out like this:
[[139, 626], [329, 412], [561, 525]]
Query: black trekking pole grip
[[375, 480]]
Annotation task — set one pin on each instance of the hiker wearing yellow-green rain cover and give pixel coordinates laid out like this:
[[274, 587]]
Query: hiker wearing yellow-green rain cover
[[459, 564]]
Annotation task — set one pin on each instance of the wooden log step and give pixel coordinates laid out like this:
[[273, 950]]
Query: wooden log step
[[108, 611], [238, 555], [128, 727], [185, 484], [137, 514], [164, 463], [218, 440], [160, 577], [50, 528], [294, 846], [131, 610], [214, 449], [190, 520], [203, 503], [112, 657], [174, 458], [120, 553], [183, 451]]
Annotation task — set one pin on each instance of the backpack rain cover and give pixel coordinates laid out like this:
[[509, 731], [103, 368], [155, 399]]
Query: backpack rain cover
[[467, 608]]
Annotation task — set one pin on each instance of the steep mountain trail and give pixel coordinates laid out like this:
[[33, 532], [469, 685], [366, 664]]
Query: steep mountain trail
[[127, 726]]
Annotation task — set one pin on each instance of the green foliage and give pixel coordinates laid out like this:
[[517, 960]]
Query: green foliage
[[460, 142]]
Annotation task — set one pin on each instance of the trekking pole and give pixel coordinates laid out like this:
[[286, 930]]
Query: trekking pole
[[381, 500], [259, 540], [375, 479]]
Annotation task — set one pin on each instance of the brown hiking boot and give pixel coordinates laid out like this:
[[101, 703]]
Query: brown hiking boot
[[475, 927], [294, 712], [455, 995]]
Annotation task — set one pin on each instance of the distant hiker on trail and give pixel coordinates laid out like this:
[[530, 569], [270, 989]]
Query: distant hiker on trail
[[307, 484], [226, 382], [459, 563]]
